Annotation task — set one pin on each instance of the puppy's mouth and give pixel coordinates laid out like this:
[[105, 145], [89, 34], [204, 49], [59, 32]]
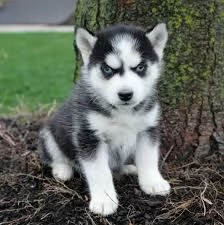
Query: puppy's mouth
[[120, 106], [126, 103], [123, 105]]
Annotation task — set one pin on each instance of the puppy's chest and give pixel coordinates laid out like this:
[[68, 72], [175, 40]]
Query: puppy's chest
[[119, 130]]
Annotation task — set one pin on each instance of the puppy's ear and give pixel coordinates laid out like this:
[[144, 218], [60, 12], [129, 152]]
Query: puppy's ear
[[85, 43], [158, 37]]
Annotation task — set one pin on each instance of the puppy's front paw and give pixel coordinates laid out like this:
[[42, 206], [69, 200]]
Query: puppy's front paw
[[104, 205], [156, 187]]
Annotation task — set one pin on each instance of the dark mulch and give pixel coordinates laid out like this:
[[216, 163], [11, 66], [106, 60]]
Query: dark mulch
[[29, 194]]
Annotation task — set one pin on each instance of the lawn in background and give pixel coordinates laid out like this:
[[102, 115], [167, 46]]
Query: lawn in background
[[35, 69]]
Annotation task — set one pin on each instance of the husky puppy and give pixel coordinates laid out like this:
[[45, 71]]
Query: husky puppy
[[110, 122]]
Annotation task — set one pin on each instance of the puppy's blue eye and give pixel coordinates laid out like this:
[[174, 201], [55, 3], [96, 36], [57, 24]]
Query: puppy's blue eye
[[140, 68], [107, 71]]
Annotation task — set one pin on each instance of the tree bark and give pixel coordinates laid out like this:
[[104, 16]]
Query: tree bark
[[192, 86]]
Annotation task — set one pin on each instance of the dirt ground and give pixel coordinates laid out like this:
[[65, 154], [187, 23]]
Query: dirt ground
[[30, 195]]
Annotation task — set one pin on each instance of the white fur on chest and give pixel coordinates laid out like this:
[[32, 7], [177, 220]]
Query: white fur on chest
[[123, 127]]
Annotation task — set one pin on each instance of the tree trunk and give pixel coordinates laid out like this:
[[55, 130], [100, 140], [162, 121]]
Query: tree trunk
[[192, 86]]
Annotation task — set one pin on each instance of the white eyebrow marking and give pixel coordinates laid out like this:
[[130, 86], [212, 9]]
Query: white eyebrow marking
[[113, 61], [125, 46]]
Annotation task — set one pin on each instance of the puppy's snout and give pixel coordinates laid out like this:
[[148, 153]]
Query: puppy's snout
[[125, 95]]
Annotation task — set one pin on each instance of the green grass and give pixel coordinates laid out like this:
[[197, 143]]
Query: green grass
[[35, 69]]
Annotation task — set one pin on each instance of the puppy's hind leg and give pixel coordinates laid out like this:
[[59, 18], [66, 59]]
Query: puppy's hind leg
[[61, 167], [129, 170]]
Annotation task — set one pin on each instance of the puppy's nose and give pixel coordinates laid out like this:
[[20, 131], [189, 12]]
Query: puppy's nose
[[125, 96]]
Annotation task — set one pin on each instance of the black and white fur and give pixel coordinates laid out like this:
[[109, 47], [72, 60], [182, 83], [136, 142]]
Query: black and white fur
[[110, 122]]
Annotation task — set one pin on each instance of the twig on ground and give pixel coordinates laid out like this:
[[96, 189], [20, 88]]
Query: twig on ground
[[203, 199], [11, 222], [89, 216], [7, 137], [184, 166], [166, 156]]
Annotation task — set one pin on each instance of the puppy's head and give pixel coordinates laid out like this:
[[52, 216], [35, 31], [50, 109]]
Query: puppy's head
[[122, 63]]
